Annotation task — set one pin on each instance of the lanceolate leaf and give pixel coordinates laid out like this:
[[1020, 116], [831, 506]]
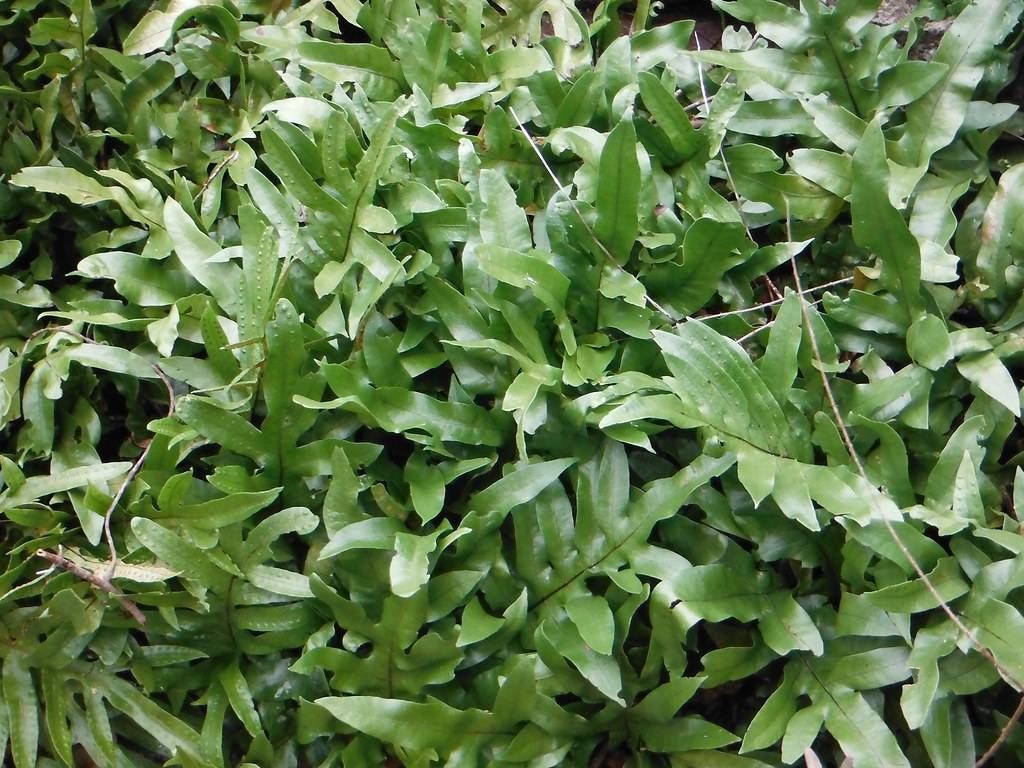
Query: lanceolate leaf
[[413, 726], [169, 731], [879, 227], [618, 192], [46, 485], [22, 710]]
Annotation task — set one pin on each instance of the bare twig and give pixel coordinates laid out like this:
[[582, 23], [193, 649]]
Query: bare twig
[[728, 75], [769, 324], [701, 101], [102, 583], [773, 302], [217, 169], [586, 225], [245, 343], [56, 329], [131, 476], [1003, 735], [753, 333]]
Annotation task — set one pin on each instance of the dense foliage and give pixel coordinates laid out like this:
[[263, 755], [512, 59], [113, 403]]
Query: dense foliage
[[429, 382]]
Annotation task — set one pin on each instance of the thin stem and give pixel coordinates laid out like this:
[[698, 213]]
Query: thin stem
[[56, 329], [721, 148], [108, 515], [228, 159], [773, 302], [1003, 735], [760, 328], [753, 333], [57, 560]]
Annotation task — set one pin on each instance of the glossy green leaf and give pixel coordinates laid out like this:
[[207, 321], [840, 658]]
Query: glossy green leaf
[[879, 227], [22, 710], [594, 621], [991, 377], [55, 706], [915, 596], [46, 485], [413, 726], [618, 192]]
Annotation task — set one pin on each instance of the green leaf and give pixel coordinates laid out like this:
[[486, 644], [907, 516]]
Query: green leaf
[[9, 250], [477, 624], [928, 342], [861, 733], [79, 189], [491, 505], [967, 502], [410, 725], [218, 513], [710, 249], [783, 25], [997, 624], [999, 247], [55, 705], [410, 565], [769, 724], [713, 593], [240, 698], [426, 487], [915, 596], [907, 82], [196, 251], [502, 221], [669, 115], [684, 734], [787, 72], [988, 373], [358, 57], [168, 730], [22, 709], [179, 554], [142, 281], [40, 486], [618, 192], [373, 533], [872, 669], [786, 626], [600, 670], [662, 703], [154, 29], [879, 227], [256, 548], [802, 730], [594, 621], [227, 429], [699, 758], [778, 365], [99, 723]]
